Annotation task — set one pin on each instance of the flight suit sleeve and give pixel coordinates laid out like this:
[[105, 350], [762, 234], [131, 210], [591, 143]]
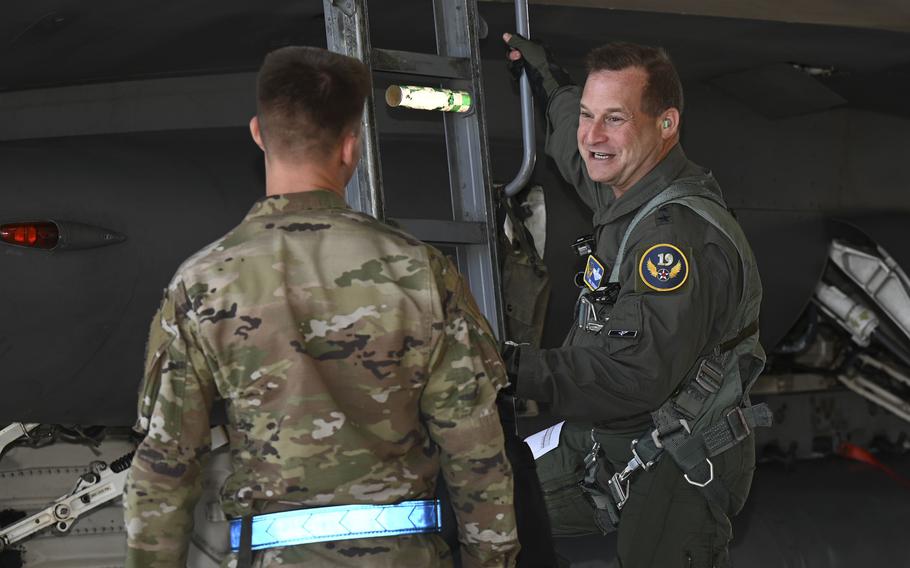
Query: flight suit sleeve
[[176, 398], [562, 144], [458, 405], [652, 338]]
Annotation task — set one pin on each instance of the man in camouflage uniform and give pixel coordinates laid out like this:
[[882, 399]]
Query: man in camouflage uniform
[[686, 291], [352, 358]]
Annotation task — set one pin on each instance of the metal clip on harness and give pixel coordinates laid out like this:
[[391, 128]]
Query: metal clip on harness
[[610, 496], [606, 513]]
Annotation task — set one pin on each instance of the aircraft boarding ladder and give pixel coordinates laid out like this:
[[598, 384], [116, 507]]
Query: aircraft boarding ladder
[[472, 230]]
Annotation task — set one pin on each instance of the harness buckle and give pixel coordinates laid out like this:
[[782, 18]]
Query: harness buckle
[[709, 376], [710, 476], [657, 434], [645, 465], [618, 487], [594, 327], [591, 457], [736, 420]]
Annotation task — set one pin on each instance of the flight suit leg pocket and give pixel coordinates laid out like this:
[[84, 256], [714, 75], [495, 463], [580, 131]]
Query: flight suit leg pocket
[[701, 553], [560, 471], [737, 467], [570, 512]]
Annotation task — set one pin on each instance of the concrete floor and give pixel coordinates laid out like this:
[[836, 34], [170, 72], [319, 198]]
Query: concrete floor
[[827, 513]]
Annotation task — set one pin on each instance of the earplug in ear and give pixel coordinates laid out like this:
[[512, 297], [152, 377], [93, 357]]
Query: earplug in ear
[[667, 123]]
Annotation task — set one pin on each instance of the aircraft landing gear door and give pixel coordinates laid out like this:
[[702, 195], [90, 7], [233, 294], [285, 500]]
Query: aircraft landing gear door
[[472, 230]]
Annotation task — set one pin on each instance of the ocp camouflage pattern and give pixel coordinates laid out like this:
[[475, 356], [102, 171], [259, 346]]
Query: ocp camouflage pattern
[[354, 364]]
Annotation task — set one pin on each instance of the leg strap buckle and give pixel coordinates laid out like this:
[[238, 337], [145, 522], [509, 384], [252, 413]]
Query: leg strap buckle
[[658, 433], [739, 427], [644, 463], [619, 490], [710, 376]]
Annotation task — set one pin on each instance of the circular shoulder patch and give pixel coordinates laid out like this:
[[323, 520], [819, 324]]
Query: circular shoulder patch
[[663, 268]]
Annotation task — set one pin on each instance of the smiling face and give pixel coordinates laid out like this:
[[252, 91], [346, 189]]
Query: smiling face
[[618, 141]]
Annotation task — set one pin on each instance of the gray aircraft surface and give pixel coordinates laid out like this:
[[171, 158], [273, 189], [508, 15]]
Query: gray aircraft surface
[[124, 148]]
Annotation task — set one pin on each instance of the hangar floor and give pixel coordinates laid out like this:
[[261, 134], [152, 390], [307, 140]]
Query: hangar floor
[[827, 513]]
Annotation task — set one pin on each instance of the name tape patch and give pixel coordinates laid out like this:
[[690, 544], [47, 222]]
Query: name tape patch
[[630, 333]]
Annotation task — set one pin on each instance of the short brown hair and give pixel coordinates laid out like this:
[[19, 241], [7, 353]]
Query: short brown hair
[[664, 89], [307, 97]]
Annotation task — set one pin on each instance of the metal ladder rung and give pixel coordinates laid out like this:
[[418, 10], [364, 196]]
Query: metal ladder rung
[[445, 232], [472, 228], [423, 64]]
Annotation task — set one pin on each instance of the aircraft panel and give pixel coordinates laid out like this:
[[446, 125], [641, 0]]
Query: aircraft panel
[[76, 321]]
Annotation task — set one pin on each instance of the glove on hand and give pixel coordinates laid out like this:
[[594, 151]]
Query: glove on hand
[[544, 73], [511, 353]]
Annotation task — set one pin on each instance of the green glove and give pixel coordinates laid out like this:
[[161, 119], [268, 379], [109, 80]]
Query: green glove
[[544, 73]]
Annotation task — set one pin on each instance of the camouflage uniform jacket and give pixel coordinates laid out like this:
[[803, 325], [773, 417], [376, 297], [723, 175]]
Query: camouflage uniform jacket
[[354, 364]]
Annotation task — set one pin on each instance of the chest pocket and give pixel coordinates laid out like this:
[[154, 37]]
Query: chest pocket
[[624, 328]]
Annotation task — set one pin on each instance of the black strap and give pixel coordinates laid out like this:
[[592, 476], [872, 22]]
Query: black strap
[[692, 453], [691, 400], [740, 337], [735, 427], [245, 552]]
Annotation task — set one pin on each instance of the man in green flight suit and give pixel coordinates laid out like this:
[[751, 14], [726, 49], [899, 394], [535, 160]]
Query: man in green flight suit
[[353, 360], [671, 299]]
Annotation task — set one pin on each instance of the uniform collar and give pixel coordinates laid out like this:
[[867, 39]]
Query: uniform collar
[[295, 202], [655, 181]]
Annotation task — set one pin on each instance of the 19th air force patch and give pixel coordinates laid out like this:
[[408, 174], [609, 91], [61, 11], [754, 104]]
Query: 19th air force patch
[[663, 268]]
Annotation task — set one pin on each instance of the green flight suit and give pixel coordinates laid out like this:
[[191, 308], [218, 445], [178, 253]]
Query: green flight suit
[[615, 378]]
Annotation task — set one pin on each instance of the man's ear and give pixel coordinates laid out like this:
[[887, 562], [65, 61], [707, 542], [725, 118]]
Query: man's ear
[[350, 149], [255, 132], [669, 123]]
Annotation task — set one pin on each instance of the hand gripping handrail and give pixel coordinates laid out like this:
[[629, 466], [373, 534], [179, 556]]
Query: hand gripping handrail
[[527, 111]]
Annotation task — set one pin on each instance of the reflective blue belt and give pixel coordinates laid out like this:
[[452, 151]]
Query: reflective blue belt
[[323, 524]]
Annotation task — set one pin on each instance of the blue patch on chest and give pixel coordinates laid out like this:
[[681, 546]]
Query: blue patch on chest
[[595, 273]]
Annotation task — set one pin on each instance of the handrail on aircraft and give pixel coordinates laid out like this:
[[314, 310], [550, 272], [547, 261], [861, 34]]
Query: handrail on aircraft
[[529, 158]]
